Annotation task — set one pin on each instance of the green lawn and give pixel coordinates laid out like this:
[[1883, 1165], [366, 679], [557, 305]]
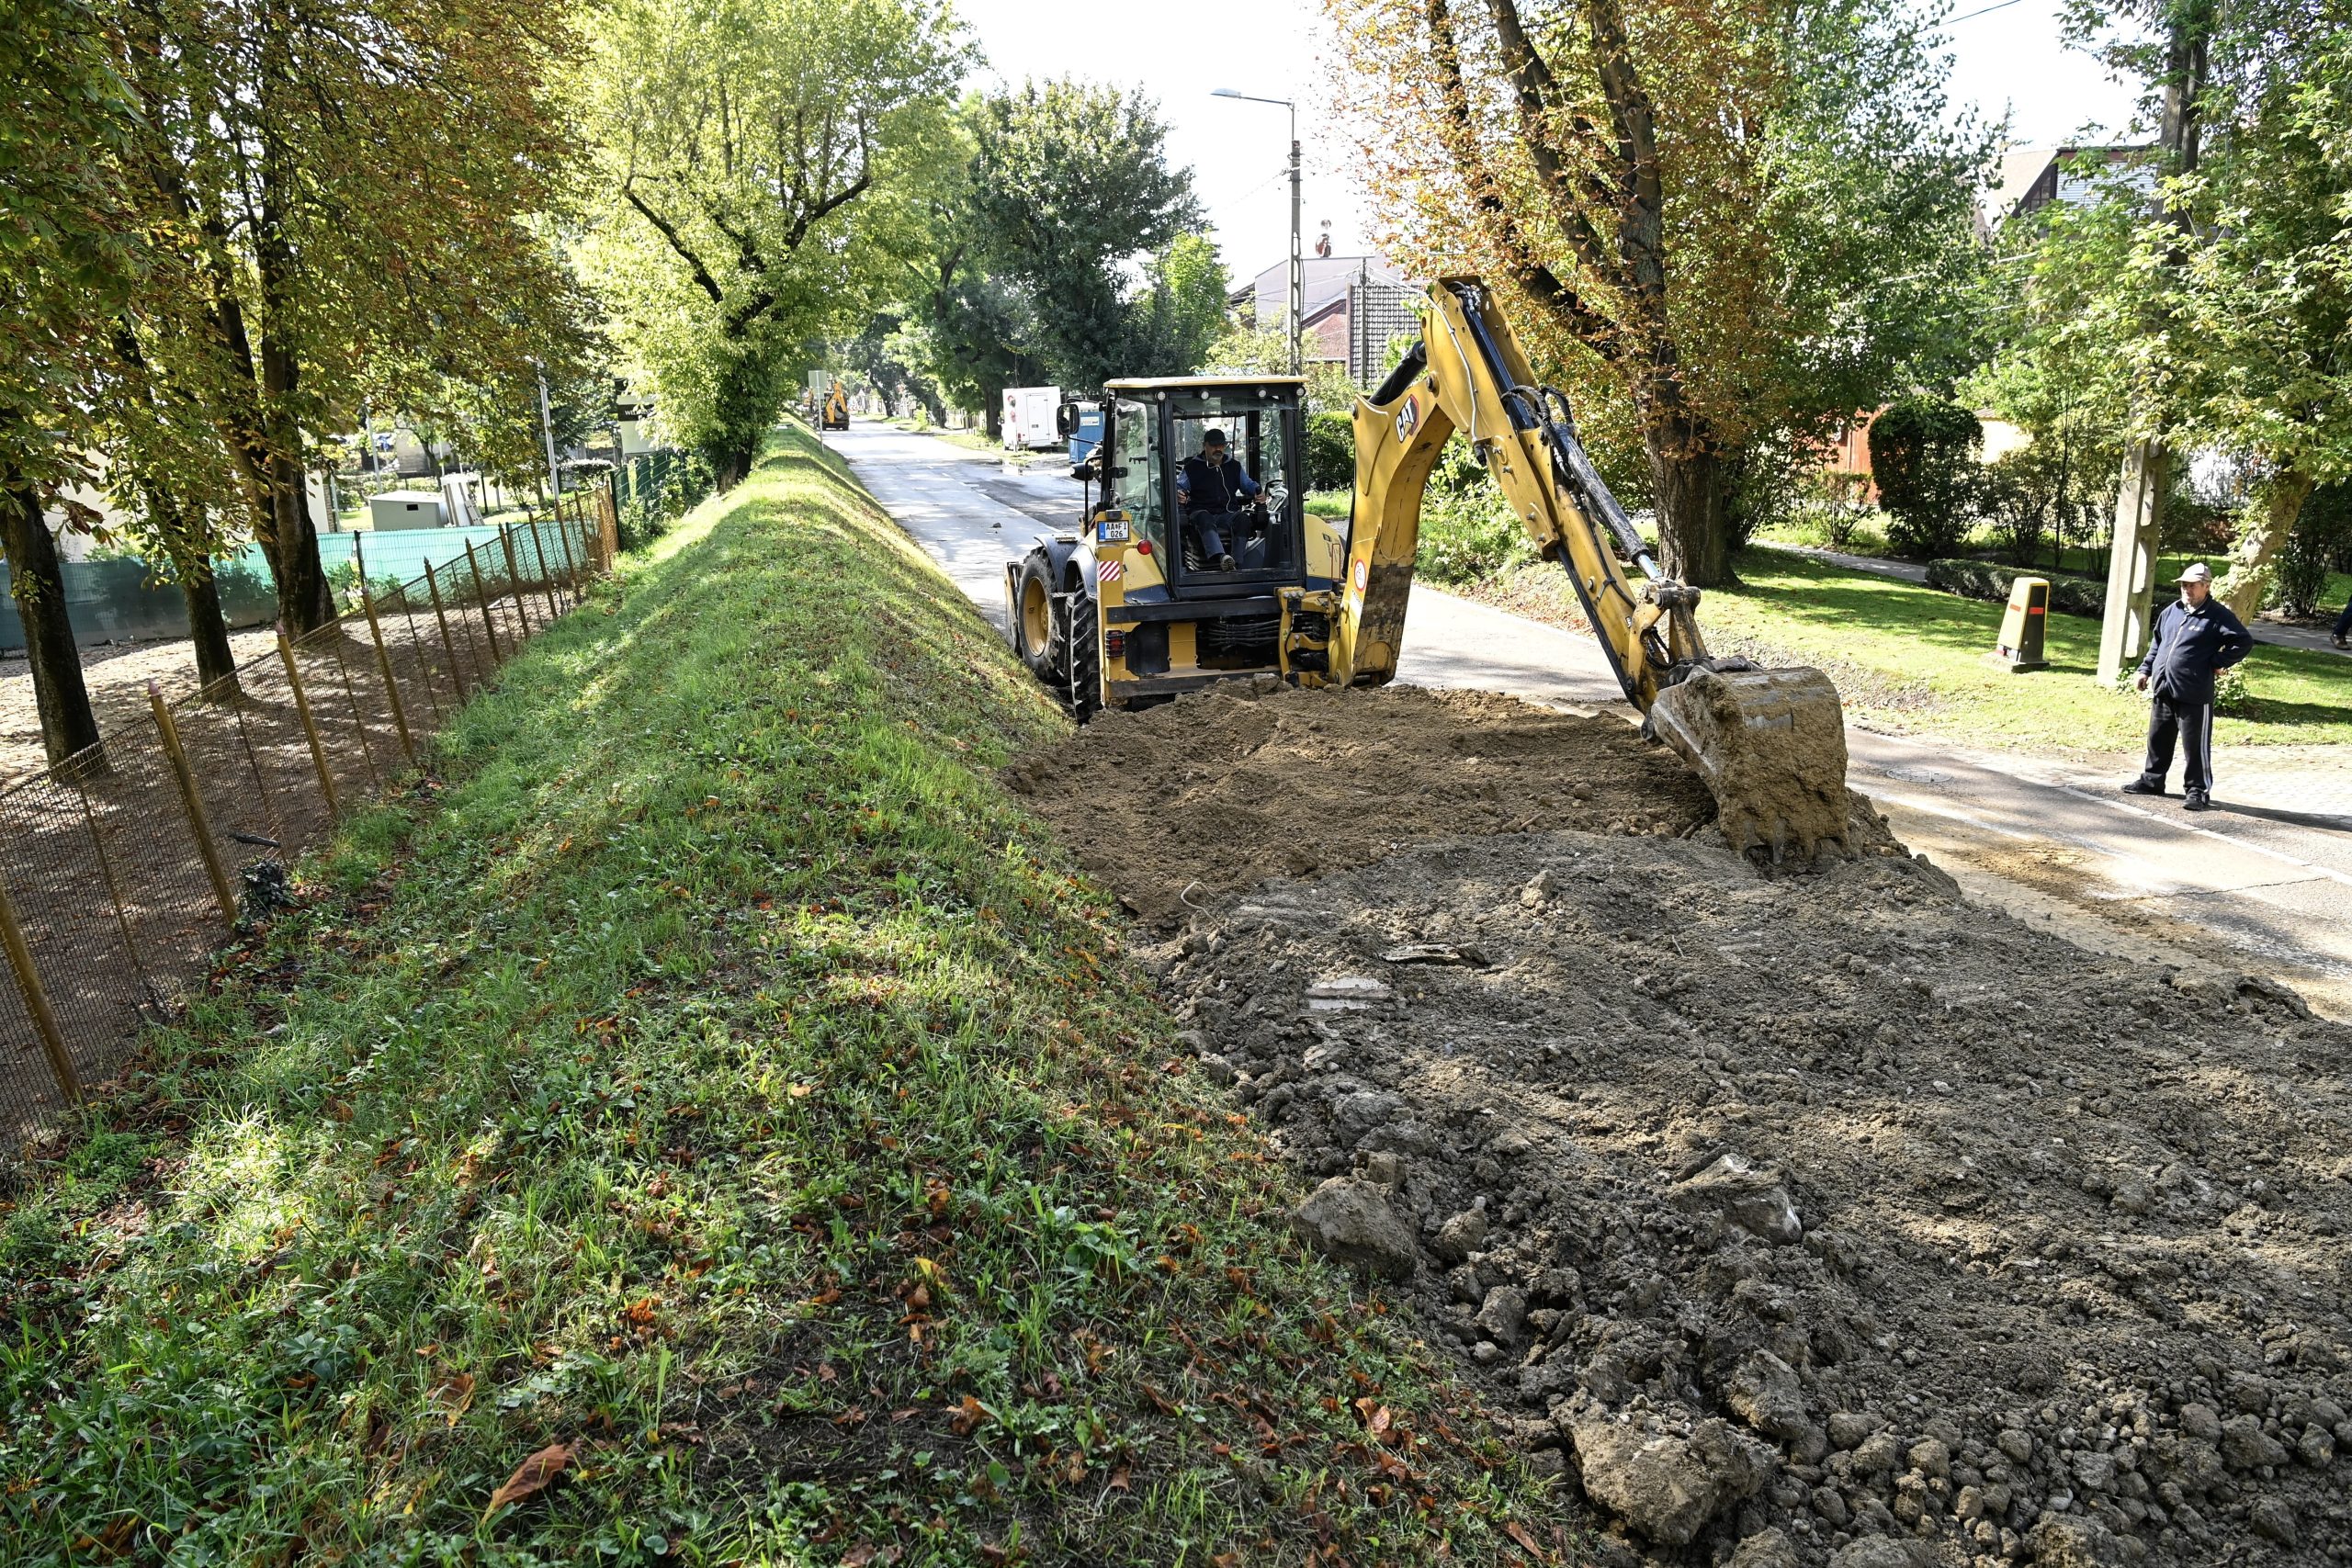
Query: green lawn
[[1910, 656], [713, 1077], [1869, 539]]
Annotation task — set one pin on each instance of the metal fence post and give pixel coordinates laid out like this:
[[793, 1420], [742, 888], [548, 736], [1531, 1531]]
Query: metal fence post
[[52, 1041], [448, 643], [193, 804], [482, 597], [310, 725]]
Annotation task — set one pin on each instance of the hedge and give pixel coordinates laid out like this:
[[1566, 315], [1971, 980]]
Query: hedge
[[1987, 579]]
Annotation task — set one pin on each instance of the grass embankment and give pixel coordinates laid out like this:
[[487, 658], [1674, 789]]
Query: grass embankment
[[1911, 658], [717, 1081]]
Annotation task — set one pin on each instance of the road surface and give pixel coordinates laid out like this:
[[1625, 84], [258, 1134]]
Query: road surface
[[2262, 885]]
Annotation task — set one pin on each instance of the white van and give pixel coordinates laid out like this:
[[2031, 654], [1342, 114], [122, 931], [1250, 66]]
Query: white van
[[1028, 418]]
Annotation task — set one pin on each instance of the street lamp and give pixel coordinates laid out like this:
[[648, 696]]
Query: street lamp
[[1297, 277]]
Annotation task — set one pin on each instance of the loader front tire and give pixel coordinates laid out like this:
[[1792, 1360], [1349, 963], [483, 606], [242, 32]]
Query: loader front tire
[[1032, 621], [1085, 657]]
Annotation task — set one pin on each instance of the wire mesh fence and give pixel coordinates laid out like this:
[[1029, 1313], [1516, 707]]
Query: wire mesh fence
[[123, 867]]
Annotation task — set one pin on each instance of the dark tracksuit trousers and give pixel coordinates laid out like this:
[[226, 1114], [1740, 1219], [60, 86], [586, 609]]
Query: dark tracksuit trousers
[[2344, 621], [2192, 724]]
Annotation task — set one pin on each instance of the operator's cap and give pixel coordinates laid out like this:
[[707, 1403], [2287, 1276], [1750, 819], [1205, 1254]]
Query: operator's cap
[[1215, 438], [2198, 572]]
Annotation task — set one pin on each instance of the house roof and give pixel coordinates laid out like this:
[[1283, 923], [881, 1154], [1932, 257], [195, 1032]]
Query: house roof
[[1322, 281]]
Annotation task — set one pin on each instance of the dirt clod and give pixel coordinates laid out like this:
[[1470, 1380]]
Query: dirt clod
[[1712, 1121]]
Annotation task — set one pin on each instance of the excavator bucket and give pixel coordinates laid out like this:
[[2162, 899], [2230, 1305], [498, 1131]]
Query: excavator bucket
[[1771, 745]]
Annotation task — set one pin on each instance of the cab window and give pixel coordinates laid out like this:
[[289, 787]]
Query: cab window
[[1134, 480], [1251, 517]]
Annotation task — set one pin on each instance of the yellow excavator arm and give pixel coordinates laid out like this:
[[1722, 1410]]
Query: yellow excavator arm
[[1771, 743]]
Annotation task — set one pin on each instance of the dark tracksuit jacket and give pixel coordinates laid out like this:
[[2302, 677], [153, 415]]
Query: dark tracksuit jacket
[[2188, 649]]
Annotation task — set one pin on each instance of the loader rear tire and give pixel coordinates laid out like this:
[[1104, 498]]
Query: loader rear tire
[[1085, 657], [1032, 621]]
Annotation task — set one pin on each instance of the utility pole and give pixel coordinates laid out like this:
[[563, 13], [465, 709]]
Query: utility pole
[[2147, 461], [1297, 261]]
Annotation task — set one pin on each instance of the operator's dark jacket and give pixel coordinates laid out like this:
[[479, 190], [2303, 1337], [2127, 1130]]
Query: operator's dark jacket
[[2190, 645], [1217, 487]]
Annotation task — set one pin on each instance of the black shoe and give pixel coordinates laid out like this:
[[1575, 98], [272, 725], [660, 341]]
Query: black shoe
[[2143, 785], [2197, 801], [1225, 563]]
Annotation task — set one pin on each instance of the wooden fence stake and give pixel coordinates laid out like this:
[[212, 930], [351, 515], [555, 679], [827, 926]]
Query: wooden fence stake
[[546, 577], [53, 1040], [384, 668], [448, 643], [482, 597], [563, 527], [192, 803], [310, 725], [514, 582]]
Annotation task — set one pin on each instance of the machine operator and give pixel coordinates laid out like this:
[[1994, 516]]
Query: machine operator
[[1211, 487]]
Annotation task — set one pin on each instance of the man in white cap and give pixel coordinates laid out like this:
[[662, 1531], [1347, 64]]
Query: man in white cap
[[2196, 638]]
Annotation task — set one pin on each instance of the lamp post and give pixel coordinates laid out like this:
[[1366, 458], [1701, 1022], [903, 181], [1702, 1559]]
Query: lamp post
[[1297, 267]]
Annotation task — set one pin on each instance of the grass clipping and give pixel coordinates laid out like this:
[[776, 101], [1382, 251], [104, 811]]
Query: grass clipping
[[703, 1124]]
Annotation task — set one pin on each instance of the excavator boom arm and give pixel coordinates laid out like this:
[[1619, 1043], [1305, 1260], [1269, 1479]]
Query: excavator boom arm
[[1469, 375], [1771, 743]]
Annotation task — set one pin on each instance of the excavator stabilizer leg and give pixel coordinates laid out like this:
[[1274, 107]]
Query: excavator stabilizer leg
[[1771, 745]]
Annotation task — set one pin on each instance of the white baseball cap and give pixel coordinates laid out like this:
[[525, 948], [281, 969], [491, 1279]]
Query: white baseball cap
[[2198, 572]]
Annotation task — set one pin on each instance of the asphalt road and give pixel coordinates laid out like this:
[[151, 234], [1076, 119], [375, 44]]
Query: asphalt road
[[2262, 885]]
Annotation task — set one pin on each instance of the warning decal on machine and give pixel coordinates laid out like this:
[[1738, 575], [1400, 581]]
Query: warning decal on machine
[[1109, 570]]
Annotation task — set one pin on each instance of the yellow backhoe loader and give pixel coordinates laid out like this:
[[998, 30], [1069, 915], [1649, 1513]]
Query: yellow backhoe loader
[[836, 413], [1183, 572]]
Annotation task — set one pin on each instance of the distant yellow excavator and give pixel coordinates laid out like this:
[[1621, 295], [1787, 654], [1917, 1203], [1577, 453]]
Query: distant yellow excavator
[[1186, 571]]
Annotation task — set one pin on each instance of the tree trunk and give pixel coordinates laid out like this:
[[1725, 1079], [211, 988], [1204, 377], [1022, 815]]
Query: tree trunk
[[1688, 480], [216, 662], [67, 725], [2248, 580]]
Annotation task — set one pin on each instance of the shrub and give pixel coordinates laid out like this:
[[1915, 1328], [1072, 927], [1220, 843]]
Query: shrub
[[1469, 530], [1923, 453], [2322, 540], [1971, 579], [1836, 501], [1330, 452]]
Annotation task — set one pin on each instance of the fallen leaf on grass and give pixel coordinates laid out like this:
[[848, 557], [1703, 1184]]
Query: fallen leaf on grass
[[531, 1477], [455, 1394], [1119, 1477]]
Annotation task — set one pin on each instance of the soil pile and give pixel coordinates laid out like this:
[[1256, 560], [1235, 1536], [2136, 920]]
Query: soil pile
[[1247, 781], [1825, 1218]]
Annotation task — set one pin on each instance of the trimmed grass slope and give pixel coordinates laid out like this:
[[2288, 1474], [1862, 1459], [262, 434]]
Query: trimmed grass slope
[[712, 1085]]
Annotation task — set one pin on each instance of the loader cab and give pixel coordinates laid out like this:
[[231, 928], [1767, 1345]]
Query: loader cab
[[1153, 426]]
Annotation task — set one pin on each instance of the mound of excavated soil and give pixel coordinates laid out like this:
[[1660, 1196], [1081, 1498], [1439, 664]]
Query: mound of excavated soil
[[1177, 805], [1823, 1218]]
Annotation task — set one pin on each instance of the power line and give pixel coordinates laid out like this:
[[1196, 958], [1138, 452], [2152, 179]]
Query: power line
[[1985, 11]]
